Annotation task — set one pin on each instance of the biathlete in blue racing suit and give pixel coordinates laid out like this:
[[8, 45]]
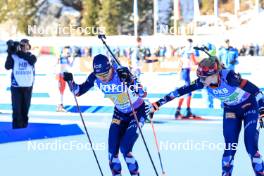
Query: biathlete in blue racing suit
[[243, 101], [123, 131]]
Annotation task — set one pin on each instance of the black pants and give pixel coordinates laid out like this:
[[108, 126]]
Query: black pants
[[21, 98]]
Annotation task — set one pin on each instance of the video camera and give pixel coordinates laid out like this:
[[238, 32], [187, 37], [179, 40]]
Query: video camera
[[13, 47]]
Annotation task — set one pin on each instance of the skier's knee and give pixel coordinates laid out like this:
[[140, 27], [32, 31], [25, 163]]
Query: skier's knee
[[123, 150], [127, 145]]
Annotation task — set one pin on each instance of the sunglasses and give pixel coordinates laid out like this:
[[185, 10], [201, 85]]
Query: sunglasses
[[103, 75]]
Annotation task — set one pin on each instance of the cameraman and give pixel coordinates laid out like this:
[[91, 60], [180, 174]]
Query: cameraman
[[21, 61]]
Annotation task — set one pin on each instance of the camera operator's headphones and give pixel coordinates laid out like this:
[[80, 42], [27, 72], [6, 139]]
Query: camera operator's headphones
[[26, 41]]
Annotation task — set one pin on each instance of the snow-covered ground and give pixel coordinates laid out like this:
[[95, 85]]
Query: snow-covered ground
[[187, 147]]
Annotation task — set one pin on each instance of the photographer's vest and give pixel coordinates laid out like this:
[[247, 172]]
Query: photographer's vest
[[23, 73]]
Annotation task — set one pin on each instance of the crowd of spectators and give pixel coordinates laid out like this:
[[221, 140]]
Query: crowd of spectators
[[169, 51]]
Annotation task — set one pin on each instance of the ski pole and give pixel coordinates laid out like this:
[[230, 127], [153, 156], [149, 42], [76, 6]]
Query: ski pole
[[85, 128], [157, 145], [140, 131], [102, 37]]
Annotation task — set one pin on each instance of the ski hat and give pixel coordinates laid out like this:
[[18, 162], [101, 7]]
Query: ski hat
[[208, 67], [101, 64]]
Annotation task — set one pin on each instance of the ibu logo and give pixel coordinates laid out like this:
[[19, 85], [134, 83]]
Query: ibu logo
[[220, 91]]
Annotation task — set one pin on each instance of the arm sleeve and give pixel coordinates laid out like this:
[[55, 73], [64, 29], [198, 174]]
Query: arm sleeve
[[195, 85], [84, 87], [9, 64], [235, 80], [32, 59]]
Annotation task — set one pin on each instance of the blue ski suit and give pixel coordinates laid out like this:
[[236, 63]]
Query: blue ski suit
[[243, 101], [123, 131]]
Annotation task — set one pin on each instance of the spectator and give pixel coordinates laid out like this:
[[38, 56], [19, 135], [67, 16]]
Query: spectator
[[228, 55], [251, 50], [243, 51], [257, 50], [136, 57]]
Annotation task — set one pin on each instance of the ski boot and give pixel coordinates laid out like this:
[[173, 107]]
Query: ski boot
[[60, 108], [191, 116], [178, 115]]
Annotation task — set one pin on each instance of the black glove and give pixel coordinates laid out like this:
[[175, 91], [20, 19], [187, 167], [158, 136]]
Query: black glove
[[261, 115], [67, 76], [124, 74], [28, 57]]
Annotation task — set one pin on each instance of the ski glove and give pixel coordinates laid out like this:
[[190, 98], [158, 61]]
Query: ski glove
[[124, 74], [148, 107], [67, 76]]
